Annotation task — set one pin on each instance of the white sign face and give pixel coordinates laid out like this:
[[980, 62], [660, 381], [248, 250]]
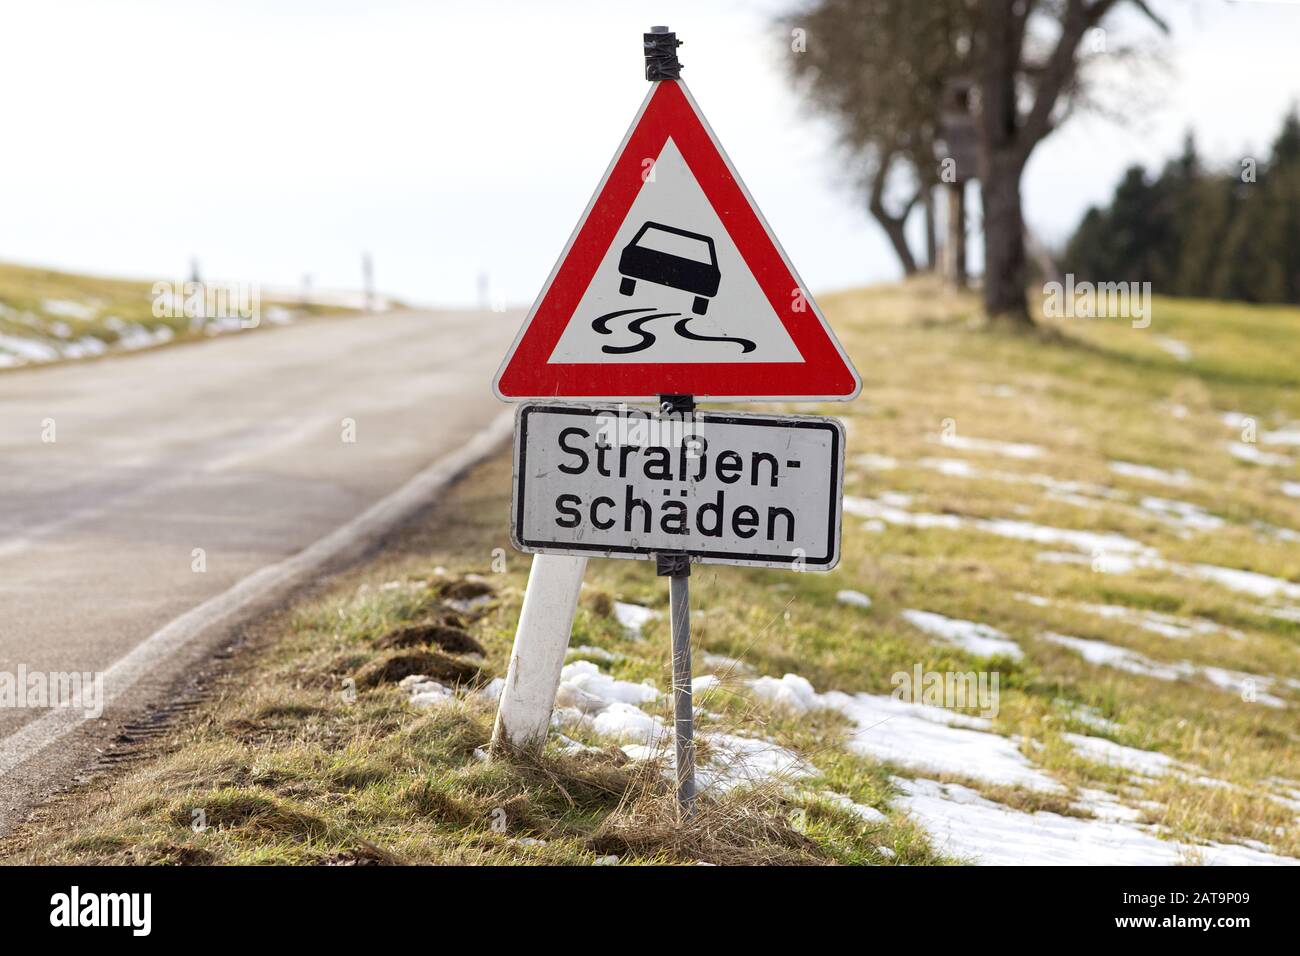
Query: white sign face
[[726, 488], [642, 305]]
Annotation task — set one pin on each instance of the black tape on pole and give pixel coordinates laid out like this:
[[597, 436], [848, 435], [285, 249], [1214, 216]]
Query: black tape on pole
[[661, 61]]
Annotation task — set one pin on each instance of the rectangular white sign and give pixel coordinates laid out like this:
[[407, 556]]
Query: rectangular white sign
[[724, 487]]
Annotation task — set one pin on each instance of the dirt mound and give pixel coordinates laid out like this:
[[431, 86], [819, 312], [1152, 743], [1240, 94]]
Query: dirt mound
[[432, 664], [454, 640]]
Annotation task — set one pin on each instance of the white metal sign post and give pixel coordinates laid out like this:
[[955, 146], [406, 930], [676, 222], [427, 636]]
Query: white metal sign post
[[672, 288]]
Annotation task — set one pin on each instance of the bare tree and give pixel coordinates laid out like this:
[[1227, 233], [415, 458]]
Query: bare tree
[[1028, 74], [877, 68]]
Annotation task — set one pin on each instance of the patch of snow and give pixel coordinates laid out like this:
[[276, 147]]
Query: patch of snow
[[1247, 582], [1110, 655], [1092, 717], [876, 462], [1148, 763], [1021, 450], [913, 735], [1128, 469], [491, 691], [627, 723], [1103, 654], [972, 637], [852, 598], [1105, 806], [1291, 489], [424, 692], [594, 653], [963, 823], [67, 309], [1100, 544], [584, 686], [1182, 514], [1244, 451], [1101, 563], [27, 350], [705, 683], [1237, 420], [951, 467], [861, 810], [726, 665], [1282, 436], [1166, 625], [731, 761], [633, 617], [1178, 349]]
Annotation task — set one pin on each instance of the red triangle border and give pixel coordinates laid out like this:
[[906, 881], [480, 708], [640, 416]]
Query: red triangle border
[[825, 373]]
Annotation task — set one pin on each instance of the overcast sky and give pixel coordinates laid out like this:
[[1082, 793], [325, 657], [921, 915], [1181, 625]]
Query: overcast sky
[[280, 138]]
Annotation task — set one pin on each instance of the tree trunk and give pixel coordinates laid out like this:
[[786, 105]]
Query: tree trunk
[[893, 225], [931, 240], [1005, 275], [1002, 157], [954, 247], [898, 239]]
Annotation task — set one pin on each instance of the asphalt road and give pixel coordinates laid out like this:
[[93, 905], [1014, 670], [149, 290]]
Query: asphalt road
[[238, 446]]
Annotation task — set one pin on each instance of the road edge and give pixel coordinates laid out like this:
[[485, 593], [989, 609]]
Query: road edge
[[193, 636]]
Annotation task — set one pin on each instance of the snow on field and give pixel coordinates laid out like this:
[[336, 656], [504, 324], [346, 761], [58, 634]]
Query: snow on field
[[27, 350], [961, 468], [1175, 347], [724, 665], [584, 686], [67, 309], [1103, 654], [852, 598], [1282, 436], [876, 462], [1247, 582], [972, 637], [959, 821], [1106, 552], [425, 692], [1166, 625], [891, 507], [1008, 449], [593, 653], [634, 617], [1291, 489], [860, 810], [1246, 451], [1128, 469], [1146, 763], [1180, 514], [1111, 655], [964, 824], [913, 735]]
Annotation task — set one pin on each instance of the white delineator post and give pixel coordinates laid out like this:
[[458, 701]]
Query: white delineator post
[[541, 641]]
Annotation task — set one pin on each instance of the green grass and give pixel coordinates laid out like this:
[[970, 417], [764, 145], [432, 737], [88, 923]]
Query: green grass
[[288, 770], [46, 314]]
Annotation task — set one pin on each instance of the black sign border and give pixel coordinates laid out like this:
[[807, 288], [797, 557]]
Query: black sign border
[[824, 563]]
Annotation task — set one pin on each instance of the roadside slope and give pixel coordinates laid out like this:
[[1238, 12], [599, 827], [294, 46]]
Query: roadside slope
[[1105, 523]]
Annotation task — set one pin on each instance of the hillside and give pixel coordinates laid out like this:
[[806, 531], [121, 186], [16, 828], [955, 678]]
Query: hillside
[[50, 316], [1100, 528]]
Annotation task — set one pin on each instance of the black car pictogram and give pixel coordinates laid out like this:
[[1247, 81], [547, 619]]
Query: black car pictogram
[[697, 274]]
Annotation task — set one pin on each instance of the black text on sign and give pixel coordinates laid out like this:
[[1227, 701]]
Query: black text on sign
[[725, 487]]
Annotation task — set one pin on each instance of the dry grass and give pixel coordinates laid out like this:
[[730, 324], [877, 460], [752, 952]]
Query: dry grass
[[320, 779]]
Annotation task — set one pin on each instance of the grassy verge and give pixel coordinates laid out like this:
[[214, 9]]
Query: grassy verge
[[47, 316], [311, 752]]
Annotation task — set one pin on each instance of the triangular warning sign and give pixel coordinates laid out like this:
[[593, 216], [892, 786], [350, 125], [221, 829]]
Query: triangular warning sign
[[674, 284]]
